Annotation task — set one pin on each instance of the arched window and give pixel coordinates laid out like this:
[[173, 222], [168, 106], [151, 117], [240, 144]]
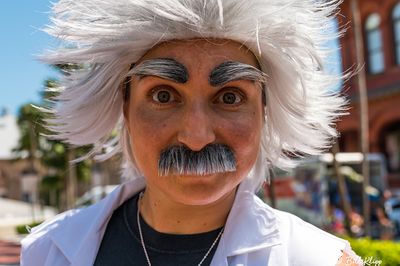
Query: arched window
[[396, 28], [376, 63]]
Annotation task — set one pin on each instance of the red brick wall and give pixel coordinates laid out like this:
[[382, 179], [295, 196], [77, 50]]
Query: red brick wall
[[384, 109], [384, 9]]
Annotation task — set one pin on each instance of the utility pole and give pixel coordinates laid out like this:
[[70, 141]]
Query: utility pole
[[343, 192], [363, 111]]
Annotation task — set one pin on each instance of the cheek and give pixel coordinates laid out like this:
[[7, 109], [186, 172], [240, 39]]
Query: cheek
[[149, 133], [243, 134], [149, 126]]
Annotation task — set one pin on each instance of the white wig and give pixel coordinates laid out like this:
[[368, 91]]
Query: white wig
[[286, 36]]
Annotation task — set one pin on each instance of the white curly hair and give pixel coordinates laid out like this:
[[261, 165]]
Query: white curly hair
[[286, 36]]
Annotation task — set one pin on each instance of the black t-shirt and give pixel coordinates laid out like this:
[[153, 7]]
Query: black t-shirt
[[121, 242]]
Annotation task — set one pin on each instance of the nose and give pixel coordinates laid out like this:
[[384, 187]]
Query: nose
[[196, 129]]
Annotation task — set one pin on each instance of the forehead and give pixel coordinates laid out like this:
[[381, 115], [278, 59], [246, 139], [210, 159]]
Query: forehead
[[202, 54]]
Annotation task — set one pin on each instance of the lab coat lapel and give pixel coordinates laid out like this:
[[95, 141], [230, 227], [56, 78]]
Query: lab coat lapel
[[79, 239], [251, 226]]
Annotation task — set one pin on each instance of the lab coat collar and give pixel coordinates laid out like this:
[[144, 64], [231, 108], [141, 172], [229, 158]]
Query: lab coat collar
[[251, 225], [75, 238]]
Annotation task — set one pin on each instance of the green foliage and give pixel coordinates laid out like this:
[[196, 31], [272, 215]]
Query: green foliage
[[51, 182], [23, 229], [50, 188], [52, 154], [388, 252], [30, 122], [84, 171]]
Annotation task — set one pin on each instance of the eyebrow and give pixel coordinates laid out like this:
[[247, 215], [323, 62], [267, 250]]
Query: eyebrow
[[166, 68], [232, 70]]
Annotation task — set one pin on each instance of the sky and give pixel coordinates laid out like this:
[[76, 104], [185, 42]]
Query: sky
[[21, 74]]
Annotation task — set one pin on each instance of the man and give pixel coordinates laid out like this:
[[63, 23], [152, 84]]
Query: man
[[207, 95]]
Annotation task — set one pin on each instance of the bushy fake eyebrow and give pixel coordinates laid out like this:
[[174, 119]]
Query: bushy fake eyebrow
[[166, 68], [231, 71]]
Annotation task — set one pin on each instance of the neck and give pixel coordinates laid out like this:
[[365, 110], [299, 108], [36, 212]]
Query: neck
[[168, 216]]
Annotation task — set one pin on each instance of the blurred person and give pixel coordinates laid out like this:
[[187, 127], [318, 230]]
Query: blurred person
[[337, 220], [381, 226], [205, 95], [356, 223]]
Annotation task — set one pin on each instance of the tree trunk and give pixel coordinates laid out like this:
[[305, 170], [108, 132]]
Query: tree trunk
[[71, 188]]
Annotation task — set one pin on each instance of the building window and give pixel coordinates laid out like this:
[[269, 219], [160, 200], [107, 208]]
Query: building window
[[392, 148], [376, 63], [396, 28]]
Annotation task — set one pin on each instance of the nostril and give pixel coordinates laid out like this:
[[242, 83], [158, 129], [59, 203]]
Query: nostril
[[196, 128], [195, 142], [196, 137]]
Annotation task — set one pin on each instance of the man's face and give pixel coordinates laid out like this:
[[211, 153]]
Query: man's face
[[193, 100]]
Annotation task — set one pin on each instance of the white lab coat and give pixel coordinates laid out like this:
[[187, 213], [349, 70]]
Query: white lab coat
[[255, 235]]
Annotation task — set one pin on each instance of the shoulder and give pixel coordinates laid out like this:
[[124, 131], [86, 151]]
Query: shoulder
[[59, 222], [306, 244], [38, 243], [296, 229], [75, 234], [42, 239]]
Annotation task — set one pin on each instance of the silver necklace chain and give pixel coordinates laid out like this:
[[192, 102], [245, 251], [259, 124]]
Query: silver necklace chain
[[144, 247]]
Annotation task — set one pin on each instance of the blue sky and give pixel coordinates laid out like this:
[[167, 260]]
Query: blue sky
[[22, 75]]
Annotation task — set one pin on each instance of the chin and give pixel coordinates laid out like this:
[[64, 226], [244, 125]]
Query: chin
[[203, 190], [196, 199]]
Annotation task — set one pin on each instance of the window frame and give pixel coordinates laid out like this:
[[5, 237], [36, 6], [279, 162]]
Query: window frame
[[378, 51], [396, 37]]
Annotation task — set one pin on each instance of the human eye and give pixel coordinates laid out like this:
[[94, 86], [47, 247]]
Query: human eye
[[230, 97], [163, 95]]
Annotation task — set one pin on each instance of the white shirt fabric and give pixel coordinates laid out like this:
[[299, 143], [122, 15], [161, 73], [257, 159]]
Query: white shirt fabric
[[255, 235]]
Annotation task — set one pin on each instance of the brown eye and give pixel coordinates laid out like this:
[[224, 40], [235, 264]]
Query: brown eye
[[230, 98], [162, 96]]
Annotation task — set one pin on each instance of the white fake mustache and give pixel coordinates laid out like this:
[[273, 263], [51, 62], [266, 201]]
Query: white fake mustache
[[180, 160]]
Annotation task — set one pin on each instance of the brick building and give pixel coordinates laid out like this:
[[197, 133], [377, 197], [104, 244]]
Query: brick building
[[381, 37]]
